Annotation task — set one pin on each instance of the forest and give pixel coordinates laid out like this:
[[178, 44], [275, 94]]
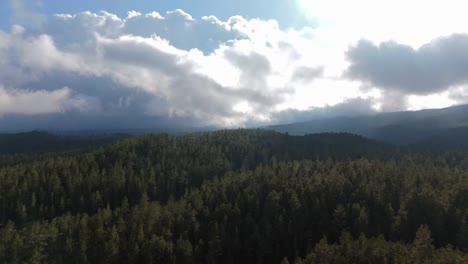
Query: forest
[[233, 196]]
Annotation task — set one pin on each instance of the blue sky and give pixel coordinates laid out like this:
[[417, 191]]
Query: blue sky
[[225, 63], [286, 12]]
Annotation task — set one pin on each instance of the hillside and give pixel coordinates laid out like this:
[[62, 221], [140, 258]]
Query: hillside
[[42, 142]]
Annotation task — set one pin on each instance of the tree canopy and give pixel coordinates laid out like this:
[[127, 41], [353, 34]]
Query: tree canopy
[[236, 196]]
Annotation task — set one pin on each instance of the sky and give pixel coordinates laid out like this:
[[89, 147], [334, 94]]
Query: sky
[[80, 65]]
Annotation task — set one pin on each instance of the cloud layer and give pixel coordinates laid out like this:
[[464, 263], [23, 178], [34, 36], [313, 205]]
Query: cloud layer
[[98, 71], [150, 66]]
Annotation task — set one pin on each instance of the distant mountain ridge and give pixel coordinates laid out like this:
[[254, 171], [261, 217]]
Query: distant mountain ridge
[[400, 128]]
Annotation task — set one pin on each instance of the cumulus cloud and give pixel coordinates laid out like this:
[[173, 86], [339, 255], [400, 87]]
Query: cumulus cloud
[[156, 69], [401, 69], [177, 27], [38, 102], [145, 70], [41, 55]]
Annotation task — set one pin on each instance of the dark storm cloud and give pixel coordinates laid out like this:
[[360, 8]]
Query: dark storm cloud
[[434, 67]]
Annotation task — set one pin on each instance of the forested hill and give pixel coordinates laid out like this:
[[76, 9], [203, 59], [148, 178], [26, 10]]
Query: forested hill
[[162, 167], [43, 142], [240, 196]]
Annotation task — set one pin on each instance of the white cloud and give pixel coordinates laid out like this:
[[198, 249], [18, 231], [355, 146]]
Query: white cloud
[[177, 67], [17, 29], [41, 54], [38, 102], [247, 66]]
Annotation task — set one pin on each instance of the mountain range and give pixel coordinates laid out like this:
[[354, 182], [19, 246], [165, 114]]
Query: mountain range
[[403, 128]]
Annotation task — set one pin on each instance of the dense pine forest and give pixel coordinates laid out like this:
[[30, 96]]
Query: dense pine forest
[[235, 196]]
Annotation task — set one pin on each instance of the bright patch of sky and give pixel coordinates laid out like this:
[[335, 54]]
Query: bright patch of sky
[[410, 22]]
